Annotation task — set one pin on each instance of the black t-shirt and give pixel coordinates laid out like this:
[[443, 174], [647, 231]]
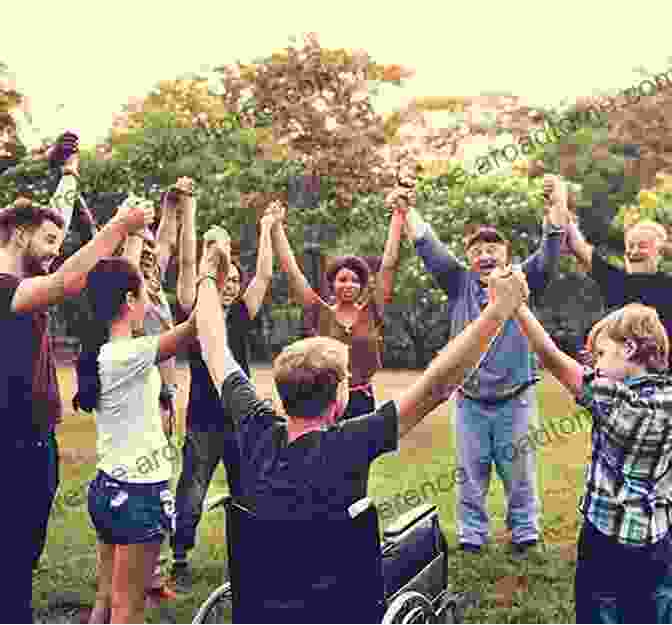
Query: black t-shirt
[[29, 397], [620, 288], [203, 409], [318, 475]]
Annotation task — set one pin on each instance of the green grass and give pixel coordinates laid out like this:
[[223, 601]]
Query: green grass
[[536, 589]]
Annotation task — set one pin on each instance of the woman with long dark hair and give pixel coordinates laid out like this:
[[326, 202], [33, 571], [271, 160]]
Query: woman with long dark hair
[[130, 503]]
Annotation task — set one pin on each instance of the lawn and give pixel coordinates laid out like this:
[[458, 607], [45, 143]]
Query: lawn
[[536, 589]]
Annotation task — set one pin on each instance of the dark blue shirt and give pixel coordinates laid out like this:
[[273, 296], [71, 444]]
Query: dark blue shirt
[[318, 475]]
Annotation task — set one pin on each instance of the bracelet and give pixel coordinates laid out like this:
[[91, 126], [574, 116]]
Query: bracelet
[[205, 276]]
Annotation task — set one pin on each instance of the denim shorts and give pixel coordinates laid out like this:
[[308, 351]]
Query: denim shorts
[[129, 514]]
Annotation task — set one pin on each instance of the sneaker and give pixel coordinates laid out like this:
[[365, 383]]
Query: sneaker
[[470, 548], [182, 578], [521, 548]]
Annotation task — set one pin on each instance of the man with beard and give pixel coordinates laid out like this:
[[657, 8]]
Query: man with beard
[[32, 236], [640, 281], [497, 404]]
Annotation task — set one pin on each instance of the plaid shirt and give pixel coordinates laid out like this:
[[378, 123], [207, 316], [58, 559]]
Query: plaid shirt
[[629, 479]]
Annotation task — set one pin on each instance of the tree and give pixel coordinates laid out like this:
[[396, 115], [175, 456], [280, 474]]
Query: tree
[[316, 103], [10, 98]]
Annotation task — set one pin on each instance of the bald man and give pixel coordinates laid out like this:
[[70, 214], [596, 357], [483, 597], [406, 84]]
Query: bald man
[[641, 280]]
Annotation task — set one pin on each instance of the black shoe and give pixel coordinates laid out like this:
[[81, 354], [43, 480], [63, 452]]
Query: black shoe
[[470, 548], [521, 548], [182, 578]]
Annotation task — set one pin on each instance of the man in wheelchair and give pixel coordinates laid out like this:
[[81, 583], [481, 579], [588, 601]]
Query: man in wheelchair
[[310, 468]]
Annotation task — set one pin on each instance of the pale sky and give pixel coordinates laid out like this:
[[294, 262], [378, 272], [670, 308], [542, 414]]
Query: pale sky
[[91, 56]]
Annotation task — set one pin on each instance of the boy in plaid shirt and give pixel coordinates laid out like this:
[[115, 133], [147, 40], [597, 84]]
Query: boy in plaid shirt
[[624, 561]]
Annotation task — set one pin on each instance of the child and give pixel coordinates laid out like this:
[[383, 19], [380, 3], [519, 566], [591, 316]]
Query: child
[[624, 561]]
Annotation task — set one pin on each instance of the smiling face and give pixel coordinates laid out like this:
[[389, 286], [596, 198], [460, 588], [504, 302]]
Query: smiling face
[[231, 287], [611, 358], [346, 286], [484, 256], [43, 245], [642, 250]]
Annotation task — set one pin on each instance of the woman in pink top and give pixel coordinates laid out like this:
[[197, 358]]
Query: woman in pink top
[[355, 317]]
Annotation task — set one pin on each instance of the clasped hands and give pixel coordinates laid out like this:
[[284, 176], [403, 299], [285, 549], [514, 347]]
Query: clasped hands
[[507, 290]]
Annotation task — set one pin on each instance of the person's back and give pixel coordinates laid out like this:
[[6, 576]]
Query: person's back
[[320, 473]]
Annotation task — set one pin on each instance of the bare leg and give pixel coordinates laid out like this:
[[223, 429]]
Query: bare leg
[[105, 565], [128, 583], [152, 565]]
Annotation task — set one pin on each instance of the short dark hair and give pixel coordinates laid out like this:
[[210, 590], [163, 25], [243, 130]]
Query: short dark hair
[[353, 263], [24, 212]]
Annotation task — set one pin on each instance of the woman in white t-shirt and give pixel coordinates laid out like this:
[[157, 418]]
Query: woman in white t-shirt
[[130, 502]]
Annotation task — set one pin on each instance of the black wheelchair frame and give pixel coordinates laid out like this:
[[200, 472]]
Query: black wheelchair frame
[[404, 579]]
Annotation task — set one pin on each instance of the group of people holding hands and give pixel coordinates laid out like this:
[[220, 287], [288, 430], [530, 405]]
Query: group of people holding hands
[[313, 461]]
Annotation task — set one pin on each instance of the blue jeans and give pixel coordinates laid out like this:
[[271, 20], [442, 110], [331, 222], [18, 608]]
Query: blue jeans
[[488, 433], [617, 583], [201, 453], [124, 513]]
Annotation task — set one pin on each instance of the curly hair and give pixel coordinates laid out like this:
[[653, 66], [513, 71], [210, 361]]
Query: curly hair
[[354, 264]]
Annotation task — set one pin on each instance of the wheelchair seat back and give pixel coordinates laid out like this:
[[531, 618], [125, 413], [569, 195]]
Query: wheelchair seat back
[[319, 571]]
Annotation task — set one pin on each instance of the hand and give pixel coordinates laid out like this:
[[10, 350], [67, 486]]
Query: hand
[[63, 151], [135, 214], [179, 193], [278, 210], [400, 199], [507, 290], [555, 200], [268, 220]]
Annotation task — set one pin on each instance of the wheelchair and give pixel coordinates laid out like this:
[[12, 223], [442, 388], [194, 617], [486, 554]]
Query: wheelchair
[[335, 571]]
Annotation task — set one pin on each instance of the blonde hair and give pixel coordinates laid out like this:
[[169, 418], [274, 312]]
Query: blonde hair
[[652, 226], [641, 325], [308, 372]]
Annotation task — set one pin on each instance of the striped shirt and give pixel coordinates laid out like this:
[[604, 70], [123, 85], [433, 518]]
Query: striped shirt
[[629, 479]]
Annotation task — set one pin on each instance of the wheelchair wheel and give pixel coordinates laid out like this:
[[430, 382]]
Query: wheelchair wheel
[[410, 607], [217, 607]]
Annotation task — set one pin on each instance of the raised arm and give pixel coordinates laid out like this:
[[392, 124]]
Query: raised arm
[[463, 352], [437, 258], [579, 246], [133, 248], [44, 291], [210, 316], [256, 290], [390, 262], [298, 282], [166, 235], [186, 277], [65, 154], [63, 200], [542, 266], [563, 367]]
